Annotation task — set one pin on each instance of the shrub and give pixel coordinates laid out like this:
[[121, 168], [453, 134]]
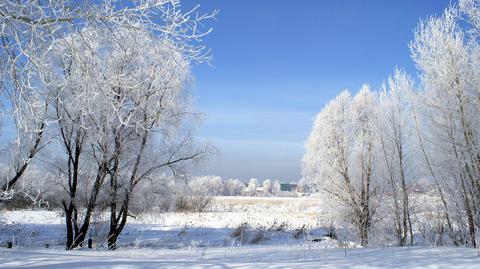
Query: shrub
[[240, 232], [299, 233], [259, 236]]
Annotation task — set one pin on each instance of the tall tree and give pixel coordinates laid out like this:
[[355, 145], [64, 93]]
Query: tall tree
[[116, 89], [395, 132], [446, 57], [341, 153]]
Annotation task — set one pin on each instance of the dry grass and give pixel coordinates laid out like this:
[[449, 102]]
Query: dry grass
[[282, 213]]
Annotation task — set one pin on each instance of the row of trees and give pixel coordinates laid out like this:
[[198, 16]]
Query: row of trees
[[216, 186], [162, 193], [98, 92], [365, 150], [267, 188]]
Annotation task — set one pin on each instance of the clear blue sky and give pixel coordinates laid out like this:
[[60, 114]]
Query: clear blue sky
[[276, 64]]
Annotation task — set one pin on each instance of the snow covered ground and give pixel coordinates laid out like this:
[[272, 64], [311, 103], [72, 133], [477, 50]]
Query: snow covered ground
[[204, 240], [36, 228], [300, 256]]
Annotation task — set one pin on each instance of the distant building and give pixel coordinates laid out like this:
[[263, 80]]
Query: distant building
[[289, 187]]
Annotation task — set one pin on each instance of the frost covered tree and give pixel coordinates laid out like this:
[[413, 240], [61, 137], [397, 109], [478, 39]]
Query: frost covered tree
[[30, 29], [252, 186], [267, 187], [359, 143], [276, 188], [213, 185], [25, 30], [119, 96], [446, 51], [341, 153], [138, 113], [397, 147], [234, 187]]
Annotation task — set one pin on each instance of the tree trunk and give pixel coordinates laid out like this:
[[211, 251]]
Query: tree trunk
[[70, 232], [112, 237], [396, 219], [118, 222], [363, 230], [435, 179], [82, 232]]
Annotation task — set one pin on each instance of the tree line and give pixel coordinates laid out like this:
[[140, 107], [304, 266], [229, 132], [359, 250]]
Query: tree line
[[366, 150]]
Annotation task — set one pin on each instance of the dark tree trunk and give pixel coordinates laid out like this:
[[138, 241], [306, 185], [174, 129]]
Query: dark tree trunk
[[117, 222], [112, 239], [82, 232], [70, 232]]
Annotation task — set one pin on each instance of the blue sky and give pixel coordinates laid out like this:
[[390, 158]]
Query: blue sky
[[276, 64]]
